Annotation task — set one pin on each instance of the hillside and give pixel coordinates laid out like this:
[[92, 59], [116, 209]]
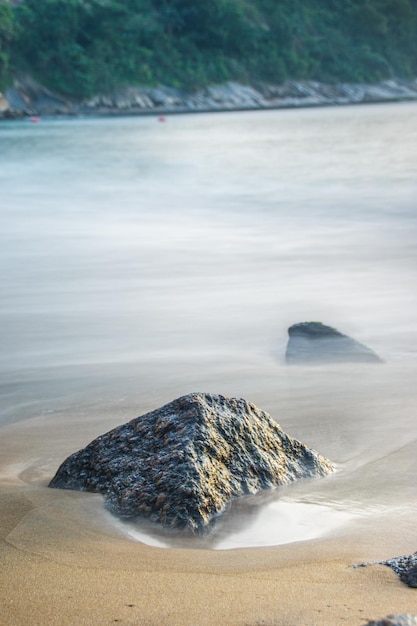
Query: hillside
[[82, 47]]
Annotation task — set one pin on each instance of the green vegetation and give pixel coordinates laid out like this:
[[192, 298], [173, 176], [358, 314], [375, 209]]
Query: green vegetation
[[80, 47], [6, 36]]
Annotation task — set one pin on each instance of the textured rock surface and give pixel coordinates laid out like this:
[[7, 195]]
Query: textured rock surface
[[182, 464], [404, 566], [395, 620], [314, 342]]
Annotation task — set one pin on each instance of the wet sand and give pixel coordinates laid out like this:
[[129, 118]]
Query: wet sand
[[74, 575], [65, 562]]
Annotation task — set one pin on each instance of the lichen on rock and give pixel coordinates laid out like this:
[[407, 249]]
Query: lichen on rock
[[182, 464]]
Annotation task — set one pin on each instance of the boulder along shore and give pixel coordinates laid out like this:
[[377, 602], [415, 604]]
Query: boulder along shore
[[28, 98]]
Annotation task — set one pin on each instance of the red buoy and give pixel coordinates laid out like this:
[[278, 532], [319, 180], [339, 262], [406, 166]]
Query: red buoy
[[161, 118], [34, 119]]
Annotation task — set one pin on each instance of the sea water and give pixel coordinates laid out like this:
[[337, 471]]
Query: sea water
[[143, 260]]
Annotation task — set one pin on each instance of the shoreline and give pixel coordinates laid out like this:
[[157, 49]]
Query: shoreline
[[65, 561], [61, 571], [28, 99]]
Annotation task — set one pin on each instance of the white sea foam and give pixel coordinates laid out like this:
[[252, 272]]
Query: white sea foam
[[275, 524]]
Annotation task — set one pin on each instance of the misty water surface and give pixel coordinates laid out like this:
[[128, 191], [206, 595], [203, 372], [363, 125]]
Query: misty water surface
[[141, 261]]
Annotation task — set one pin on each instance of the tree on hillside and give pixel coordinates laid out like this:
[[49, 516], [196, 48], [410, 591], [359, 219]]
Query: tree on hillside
[[80, 47], [6, 35]]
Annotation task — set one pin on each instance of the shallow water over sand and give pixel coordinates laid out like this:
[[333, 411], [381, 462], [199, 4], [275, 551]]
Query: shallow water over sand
[[142, 261]]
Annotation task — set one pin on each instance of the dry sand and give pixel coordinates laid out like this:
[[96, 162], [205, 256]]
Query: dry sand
[[62, 562]]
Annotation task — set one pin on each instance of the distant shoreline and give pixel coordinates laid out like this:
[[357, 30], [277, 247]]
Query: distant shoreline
[[29, 99]]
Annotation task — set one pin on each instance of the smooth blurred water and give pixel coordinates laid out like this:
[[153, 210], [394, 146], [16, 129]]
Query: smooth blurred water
[[144, 260]]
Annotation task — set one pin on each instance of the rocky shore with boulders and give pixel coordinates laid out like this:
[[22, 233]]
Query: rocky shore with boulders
[[26, 98]]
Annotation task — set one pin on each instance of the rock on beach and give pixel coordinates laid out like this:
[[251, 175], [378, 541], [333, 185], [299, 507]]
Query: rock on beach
[[314, 342], [182, 464], [395, 620], [405, 567]]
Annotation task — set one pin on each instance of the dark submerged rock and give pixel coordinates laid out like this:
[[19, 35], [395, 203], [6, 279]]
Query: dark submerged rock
[[314, 342], [183, 463]]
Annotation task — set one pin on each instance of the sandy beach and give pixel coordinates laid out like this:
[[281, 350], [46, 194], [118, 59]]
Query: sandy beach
[[65, 562], [73, 575]]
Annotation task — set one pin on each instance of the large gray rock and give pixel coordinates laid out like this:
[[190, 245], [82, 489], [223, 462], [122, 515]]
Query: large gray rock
[[314, 342], [182, 464]]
